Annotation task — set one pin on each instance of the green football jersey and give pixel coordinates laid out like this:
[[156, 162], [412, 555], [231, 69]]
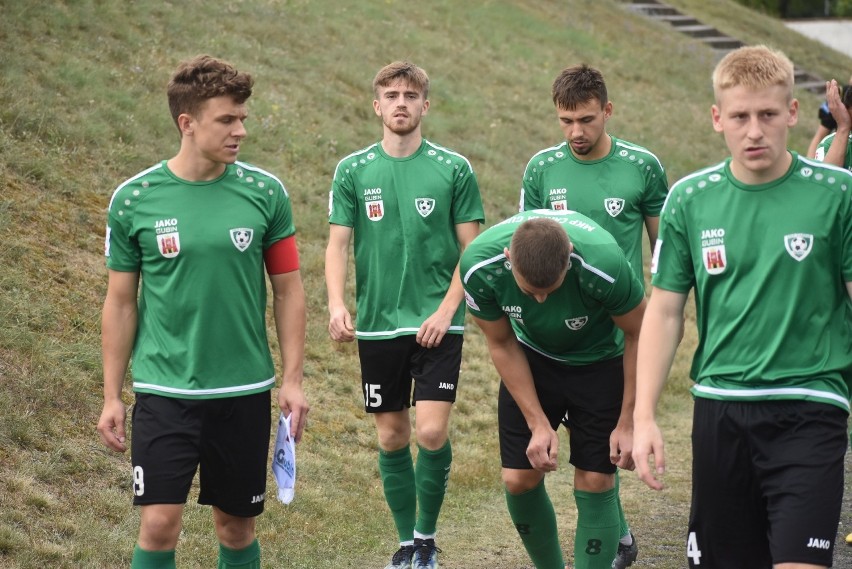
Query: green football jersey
[[403, 212], [198, 247], [617, 191], [825, 143], [574, 324], [769, 265]]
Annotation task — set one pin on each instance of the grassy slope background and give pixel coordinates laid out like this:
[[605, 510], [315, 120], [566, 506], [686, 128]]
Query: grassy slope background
[[82, 84]]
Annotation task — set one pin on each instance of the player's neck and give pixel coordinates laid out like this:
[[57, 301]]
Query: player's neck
[[764, 176], [600, 150], [401, 145], [187, 166]]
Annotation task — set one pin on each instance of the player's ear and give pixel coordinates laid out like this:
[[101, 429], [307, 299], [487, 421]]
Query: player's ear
[[506, 252]]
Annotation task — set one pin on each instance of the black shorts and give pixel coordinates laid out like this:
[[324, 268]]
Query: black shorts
[[389, 366], [767, 483], [227, 438], [587, 399]]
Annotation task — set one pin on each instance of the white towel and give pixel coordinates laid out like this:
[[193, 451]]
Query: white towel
[[284, 461]]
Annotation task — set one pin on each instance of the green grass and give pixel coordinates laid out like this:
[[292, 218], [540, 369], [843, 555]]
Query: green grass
[[84, 108]]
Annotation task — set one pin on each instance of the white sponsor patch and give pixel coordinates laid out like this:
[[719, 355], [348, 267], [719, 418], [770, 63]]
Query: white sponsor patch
[[375, 210], [714, 259], [169, 244]]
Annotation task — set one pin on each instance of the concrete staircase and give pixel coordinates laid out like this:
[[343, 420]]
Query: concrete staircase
[[710, 36]]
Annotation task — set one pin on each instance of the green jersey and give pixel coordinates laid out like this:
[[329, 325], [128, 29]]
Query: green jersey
[[574, 324], [404, 213], [198, 246], [825, 143], [618, 191], [769, 265]]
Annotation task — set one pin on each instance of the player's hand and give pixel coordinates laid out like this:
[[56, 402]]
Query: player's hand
[[433, 329], [111, 425], [543, 449], [648, 442], [621, 447], [835, 106], [340, 326], [292, 402]]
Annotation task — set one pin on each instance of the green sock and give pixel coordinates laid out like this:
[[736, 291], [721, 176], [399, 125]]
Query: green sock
[[431, 476], [534, 518], [143, 559], [247, 558], [596, 541], [623, 526], [397, 471]]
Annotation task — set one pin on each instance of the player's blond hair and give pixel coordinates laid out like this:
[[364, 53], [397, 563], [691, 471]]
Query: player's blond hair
[[540, 251], [753, 67], [405, 71]]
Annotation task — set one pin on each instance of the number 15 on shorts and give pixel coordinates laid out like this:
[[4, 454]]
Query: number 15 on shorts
[[372, 397]]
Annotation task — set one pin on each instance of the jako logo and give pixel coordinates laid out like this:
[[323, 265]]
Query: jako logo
[[444, 385], [257, 499], [817, 543]]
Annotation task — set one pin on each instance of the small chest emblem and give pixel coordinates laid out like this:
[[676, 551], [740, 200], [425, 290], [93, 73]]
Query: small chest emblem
[[576, 323], [799, 245], [614, 206], [241, 237], [375, 210], [424, 206], [169, 244]]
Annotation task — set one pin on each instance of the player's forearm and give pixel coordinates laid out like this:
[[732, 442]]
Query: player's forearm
[[656, 349], [290, 325], [836, 153], [336, 261], [511, 363], [118, 332], [628, 402]]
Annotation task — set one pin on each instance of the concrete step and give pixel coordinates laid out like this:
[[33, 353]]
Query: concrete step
[[653, 9], [678, 20], [721, 42], [812, 86], [698, 31]]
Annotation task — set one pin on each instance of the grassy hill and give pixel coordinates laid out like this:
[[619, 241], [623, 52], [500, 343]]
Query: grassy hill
[[83, 91]]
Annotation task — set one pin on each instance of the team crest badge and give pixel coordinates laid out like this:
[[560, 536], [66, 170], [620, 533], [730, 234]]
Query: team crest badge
[[375, 210], [169, 244], [798, 245], [424, 206], [559, 205], [576, 323], [714, 259], [241, 237], [614, 206]]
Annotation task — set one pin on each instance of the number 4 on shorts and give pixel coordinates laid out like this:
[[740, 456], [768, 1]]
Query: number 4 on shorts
[[692, 550]]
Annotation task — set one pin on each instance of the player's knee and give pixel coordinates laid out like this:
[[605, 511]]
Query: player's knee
[[520, 481], [235, 532], [159, 530], [431, 437]]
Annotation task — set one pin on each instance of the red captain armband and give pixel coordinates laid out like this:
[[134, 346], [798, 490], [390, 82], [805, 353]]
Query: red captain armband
[[282, 256]]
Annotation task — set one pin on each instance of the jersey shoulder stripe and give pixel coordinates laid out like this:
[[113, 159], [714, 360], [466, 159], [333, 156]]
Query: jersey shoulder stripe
[[636, 148], [550, 150], [481, 264], [262, 172], [355, 154], [686, 180], [133, 179], [592, 269], [823, 165], [446, 150]]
